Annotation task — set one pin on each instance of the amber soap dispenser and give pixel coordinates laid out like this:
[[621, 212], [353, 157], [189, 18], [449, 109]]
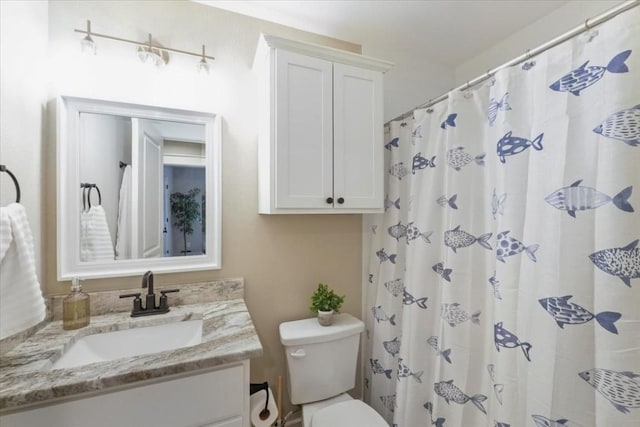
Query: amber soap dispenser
[[75, 307]]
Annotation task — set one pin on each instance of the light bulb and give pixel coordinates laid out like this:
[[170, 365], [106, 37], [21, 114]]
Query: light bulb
[[203, 66], [88, 46]]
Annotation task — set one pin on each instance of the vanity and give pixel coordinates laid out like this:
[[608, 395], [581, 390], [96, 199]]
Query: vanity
[[200, 383]]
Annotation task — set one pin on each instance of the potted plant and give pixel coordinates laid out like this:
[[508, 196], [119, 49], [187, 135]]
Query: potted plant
[[185, 210], [325, 302]]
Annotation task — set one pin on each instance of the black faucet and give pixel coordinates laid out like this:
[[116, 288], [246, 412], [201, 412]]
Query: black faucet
[[150, 299]]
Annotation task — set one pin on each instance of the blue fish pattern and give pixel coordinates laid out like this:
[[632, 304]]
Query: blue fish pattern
[[414, 233], [456, 239], [377, 368], [504, 338], [510, 145], [389, 402], [397, 231], [381, 316], [498, 388], [370, 278], [420, 162], [392, 143], [622, 389], [568, 313], [579, 198], [453, 314], [458, 158], [383, 256], [495, 285], [388, 203], [495, 106], [450, 121], [451, 393], [405, 372], [497, 203], [393, 346], [445, 201], [440, 269], [403, 124], [395, 287], [507, 246], [417, 132], [501, 424], [620, 262], [526, 66], [408, 299], [586, 75], [398, 170], [446, 354], [542, 421], [439, 422], [409, 231], [623, 126]]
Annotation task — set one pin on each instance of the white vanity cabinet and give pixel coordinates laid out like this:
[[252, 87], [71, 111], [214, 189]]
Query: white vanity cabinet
[[321, 129], [218, 398]]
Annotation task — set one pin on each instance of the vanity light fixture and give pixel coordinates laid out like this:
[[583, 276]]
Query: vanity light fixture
[[147, 51]]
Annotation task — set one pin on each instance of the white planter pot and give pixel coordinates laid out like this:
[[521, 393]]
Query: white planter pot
[[325, 318]]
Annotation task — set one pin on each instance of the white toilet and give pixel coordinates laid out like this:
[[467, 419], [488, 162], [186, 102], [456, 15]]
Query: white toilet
[[321, 361]]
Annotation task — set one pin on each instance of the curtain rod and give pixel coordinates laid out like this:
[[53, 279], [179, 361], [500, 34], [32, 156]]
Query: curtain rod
[[588, 24]]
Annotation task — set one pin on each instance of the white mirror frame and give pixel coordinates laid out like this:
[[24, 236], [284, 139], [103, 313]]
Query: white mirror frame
[[68, 186]]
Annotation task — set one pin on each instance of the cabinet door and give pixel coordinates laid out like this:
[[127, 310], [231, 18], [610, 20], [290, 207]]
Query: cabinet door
[[304, 128], [358, 134]]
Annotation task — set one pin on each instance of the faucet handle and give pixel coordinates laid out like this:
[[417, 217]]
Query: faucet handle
[[163, 298], [137, 302], [136, 295]]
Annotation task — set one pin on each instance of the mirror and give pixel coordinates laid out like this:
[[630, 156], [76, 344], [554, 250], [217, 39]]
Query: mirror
[[138, 189]]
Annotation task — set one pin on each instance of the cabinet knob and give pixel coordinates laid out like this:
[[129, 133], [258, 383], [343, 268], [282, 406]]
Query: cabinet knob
[[329, 200], [340, 200]]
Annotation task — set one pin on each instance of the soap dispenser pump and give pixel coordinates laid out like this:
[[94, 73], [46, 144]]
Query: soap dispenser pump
[[75, 307]]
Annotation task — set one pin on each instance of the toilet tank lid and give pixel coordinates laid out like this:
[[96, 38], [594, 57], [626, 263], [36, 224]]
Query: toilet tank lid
[[309, 331]]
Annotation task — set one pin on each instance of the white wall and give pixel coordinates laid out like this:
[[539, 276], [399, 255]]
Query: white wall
[[23, 52], [556, 23], [413, 80]]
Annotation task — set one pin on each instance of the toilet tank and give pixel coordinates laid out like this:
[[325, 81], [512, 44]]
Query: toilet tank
[[321, 360]]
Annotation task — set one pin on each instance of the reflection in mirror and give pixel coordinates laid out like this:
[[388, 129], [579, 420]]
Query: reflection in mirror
[[147, 182]]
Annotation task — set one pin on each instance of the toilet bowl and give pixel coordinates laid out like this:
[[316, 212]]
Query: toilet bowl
[[321, 362]]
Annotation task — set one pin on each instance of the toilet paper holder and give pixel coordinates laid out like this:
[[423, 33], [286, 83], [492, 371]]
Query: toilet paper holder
[[257, 387]]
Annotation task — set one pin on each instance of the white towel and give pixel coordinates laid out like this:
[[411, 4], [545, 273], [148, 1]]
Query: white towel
[[95, 237], [21, 303], [123, 232]]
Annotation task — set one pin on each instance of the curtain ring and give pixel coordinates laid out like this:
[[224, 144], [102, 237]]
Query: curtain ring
[[586, 24], [528, 54]]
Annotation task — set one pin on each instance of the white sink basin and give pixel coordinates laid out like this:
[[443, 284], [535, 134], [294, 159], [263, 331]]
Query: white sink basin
[[131, 342]]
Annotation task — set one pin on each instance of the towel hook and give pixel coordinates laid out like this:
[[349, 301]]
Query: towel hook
[[88, 194], [3, 168]]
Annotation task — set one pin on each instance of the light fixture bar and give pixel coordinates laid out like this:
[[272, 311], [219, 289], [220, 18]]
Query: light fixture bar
[[144, 44]]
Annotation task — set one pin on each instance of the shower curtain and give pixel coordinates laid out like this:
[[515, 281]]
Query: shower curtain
[[502, 282]]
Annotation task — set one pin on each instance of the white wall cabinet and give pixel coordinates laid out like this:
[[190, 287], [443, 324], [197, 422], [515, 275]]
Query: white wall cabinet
[[321, 129], [217, 398]]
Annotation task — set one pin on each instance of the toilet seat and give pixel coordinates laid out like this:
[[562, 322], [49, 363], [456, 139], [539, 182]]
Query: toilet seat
[[352, 413]]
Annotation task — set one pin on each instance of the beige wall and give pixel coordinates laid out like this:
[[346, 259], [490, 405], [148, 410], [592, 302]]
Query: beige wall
[[282, 258]]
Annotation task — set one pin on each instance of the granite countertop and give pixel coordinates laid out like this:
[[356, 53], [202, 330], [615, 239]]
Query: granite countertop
[[27, 377]]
